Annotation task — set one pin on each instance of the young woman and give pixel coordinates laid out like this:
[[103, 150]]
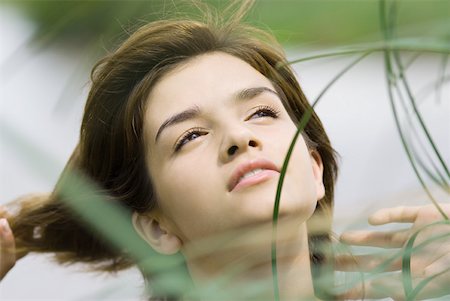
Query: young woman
[[187, 125]]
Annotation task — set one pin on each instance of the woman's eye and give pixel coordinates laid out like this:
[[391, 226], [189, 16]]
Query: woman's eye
[[264, 111], [190, 135]]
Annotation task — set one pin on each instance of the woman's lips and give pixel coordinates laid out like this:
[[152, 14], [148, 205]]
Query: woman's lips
[[263, 170]]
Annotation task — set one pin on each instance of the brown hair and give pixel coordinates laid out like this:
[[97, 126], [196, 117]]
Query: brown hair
[[111, 148]]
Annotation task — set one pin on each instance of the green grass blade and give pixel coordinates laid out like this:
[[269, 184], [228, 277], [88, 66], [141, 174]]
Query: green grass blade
[[390, 33], [391, 82], [304, 120], [417, 113], [168, 272], [412, 59], [439, 178], [423, 283], [441, 78], [406, 268], [410, 44], [406, 262], [338, 76], [431, 87]]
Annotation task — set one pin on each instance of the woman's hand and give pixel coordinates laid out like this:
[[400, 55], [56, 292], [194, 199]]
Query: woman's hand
[[430, 256], [7, 248], [7, 245]]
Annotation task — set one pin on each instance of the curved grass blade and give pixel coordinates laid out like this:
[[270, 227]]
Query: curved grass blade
[[390, 33], [412, 59], [303, 121], [82, 196], [384, 266], [390, 76], [338, 76], [423, 283], [433, 238], [439, 179], [430, 87], [410, 44], [301, 125], [406, 258], [441, 78], [417, 113], [406, 261]]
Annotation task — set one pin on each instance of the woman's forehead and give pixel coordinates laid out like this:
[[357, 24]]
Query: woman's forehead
[[208, 81]]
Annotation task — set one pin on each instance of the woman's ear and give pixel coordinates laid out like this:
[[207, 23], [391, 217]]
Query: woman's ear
[[150, 228], [317, 168]]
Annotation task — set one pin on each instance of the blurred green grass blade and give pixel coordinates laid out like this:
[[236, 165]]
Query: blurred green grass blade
[[338, 76], [433, 238], [431, 87], [405, 44], [118, 227], [392, 19], [390, 33], [91, 52], [383, 267], [441, 78], [412, 59], [93, 207], [168, 273], [47, 37], [406, 262], [391, 82], [63, 32], [65, 99], [109, 220], [304, 120], [417, 113], [390, 76], [423, 284], [43, 40], [438, 179], [346, 20]]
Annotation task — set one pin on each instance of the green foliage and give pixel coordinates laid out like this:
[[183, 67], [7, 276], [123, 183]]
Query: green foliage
[[346, 27], [308, 22]]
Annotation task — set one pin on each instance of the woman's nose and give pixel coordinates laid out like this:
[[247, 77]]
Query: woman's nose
[[237, 142]]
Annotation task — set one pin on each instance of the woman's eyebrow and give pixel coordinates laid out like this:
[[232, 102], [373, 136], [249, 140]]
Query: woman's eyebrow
[[244, 94], [249, 93], [178, 118]]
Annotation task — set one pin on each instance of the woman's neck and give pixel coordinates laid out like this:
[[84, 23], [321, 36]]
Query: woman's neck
[[242, 263]]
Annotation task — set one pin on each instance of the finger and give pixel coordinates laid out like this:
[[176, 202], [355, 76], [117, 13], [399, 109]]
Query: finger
[[391, 285], [383, 287], [7, 248], [400, 214], [442, 265], [368, 263], [389, 239]]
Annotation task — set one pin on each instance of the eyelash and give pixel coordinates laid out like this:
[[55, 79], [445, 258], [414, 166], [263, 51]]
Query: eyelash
[[270, 111], [185, 138]]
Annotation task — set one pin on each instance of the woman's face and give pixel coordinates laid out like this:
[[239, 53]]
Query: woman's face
[[216, 135]]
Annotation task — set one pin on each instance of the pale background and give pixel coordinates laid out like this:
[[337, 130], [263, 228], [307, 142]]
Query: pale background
[[374, 169]]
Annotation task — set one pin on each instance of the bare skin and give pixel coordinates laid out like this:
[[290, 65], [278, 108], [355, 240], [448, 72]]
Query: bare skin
[[424, 264], [7, 248], [197, 166], [431, 261]]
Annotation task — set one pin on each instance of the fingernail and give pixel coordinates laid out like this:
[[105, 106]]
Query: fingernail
[[4, 225]]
